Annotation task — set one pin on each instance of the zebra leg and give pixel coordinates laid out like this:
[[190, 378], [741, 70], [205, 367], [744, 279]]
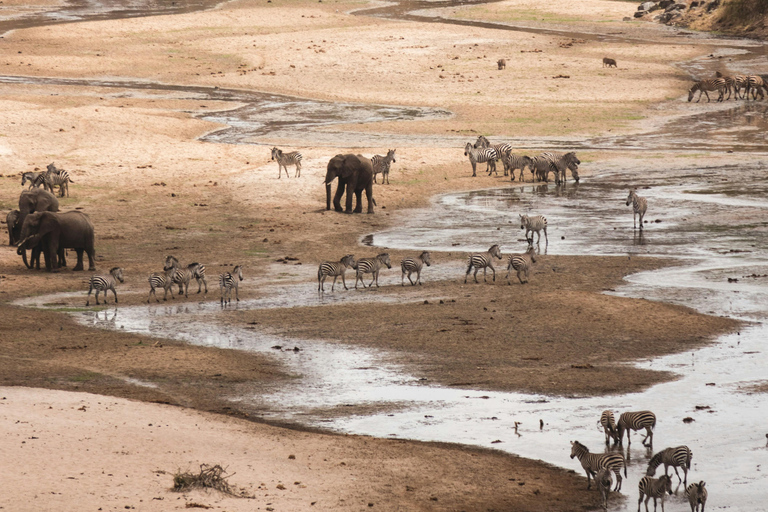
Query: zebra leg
[[374, 277], [476, 270], [474, 169], [676, 473], [546, 238], [494, 273], [88, 300], [402, 279], [386, 174], [298, 170], [114, 292], [343, 281], [418, 277], [520, 276], [469, 269], [333, 285], [617, 472]]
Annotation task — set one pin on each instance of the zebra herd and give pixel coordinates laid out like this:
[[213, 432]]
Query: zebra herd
[[482, 151], [51, 177], [603, 466], [379, 164], [372, 266], [735, 84]]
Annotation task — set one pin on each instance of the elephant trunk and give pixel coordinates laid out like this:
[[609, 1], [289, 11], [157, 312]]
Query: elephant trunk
[[327, 195]]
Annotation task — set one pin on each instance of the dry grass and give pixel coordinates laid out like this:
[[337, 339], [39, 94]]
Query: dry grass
[[209, 477]]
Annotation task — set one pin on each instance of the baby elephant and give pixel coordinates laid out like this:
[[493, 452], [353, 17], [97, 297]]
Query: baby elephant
[[610, 63], [502, 63]]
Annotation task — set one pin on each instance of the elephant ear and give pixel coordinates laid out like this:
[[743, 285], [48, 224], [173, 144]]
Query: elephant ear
[[350, 166]]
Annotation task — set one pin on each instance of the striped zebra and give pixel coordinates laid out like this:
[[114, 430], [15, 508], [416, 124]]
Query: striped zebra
[[371, 266], [483, 260], [608, 423], [639, 207], [104, 283], [198, 272], [286, 159], [482, 142], [534, 224], [679, 456], [480, 155], [411, 264], [335, 269], [563, 162], [229, 280], [162, 280], [541, 167], [54, 177], [604, 481], [739, 83], [730, 84], [653, 488], [502, 150], [512, 162], [707, 86], [32, 178], [697, 495], [183, 276], [755, 84], [522, 264], [593, 462], [381, 165], [635, 421]]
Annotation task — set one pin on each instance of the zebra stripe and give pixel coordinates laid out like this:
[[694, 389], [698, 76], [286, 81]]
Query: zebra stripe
[[730, 83], [636, 421], [592, 462], [541, 167], [410, 265], [371, 266], [639, 207], [502, 150], [482, 142], [104, 283], [739, 83], [198, 272], [32, 178], [483, 260], [705, 86], [697, 495], [679, 456], [54, 177], [162, 280], [180, 276], [560, 162], [608, 423], [335, 269], [512, 162], [522, 264], [381, 165], [534, 224], [228, 281], [755, 84], [653, 488], [604, 481], [286, 159], [480, 155]]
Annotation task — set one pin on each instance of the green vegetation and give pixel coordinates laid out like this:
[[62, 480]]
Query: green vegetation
[[85, 376]]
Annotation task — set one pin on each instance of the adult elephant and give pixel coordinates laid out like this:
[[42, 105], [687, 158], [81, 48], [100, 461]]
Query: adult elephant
[[56, 232], [355, 175]]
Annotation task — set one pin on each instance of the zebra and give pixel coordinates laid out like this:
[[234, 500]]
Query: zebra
[[410, 265], [739, 83], [335, 269], [480, 155], [730, 83], [371, 266], [593, 462], [32, 178], [54, 177], [286, 159], [604, 481], [561, 162], [381, 165], [104, 283], [198, 272], [183, 276], [522, 263], [534, 223], [636, 421], [679, 456], [483, 260], [705, 86], [482, 142], [639, 207], [229, 280], [541, 167], [697, 495], [653, 488], [512, 162], [755, 84], [162, 280], [608, 423]]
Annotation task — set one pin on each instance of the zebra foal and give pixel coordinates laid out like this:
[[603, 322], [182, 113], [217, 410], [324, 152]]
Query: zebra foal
[[228, 281], [162, 280], [678, 456], [512, 162], [480, 155], [534, 224], [521, 263], [104, 283], [604, 481], [593, 462], [410, 265], [697, 495], [381, 165], [639, 207], [635, 421], [371, 266], [286, 159], [653, 488], [335, 269], [608, 423], [483, 260]]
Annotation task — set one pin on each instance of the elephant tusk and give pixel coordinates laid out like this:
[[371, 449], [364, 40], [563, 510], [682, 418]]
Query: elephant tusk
[[22, 242]]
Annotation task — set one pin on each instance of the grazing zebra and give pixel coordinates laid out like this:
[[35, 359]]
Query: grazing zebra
[[522, 263], [755, 84], [611, 63], [104, 283], [697, 495], [592, 462], [636, 421], [679, 456], [512, 162], [639, 207], [286, 159], [541, 167], [162, 280], [335, 269], [534, 223], [32, 178], [604, 481], [730, 83], [705, 86], [381, 165], [739, 83], [563, 162], [608, 423], [229, 280], [371, 266], [653, 488], [480, 155], [483, 260], [410, 265]]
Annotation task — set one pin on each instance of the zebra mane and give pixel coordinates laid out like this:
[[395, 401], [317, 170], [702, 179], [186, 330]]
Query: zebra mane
[[654, 463], [113, 269]]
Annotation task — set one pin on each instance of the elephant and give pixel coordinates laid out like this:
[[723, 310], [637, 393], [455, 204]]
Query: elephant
[[355, 173], [13, 225], [36, 200], [56, 232]]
